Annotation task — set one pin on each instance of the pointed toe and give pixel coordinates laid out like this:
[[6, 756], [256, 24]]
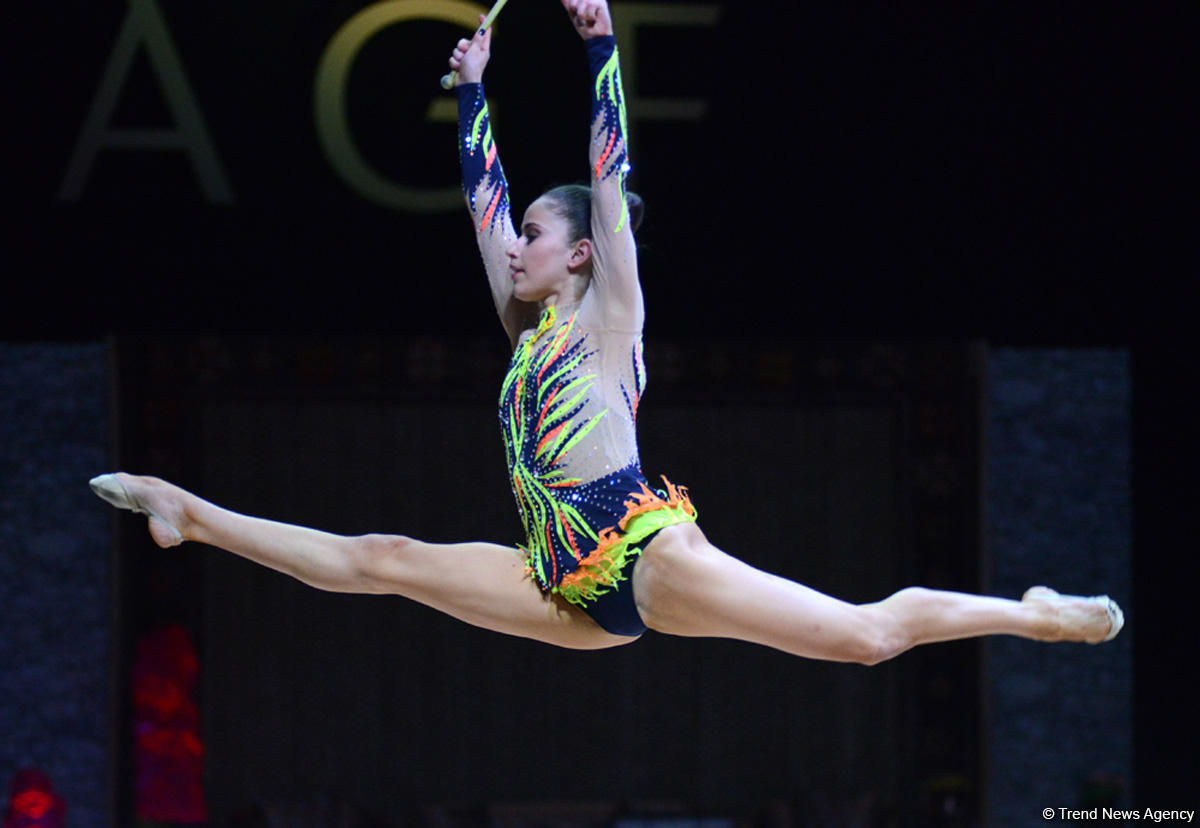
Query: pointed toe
[[110, 488], [1116, 618]]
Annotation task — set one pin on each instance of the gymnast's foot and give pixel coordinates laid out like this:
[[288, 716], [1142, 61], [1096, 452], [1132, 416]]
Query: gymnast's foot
[[1074, 617], [161, 502]]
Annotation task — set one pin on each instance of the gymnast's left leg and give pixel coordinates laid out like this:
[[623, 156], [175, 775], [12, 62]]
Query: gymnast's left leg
[[683, 585], [483, 584]]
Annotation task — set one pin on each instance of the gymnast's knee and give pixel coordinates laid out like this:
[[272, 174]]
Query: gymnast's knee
[[881, 636], [875, 649]]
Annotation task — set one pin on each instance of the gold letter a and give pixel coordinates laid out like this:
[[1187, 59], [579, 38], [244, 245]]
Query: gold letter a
[[145, 23]]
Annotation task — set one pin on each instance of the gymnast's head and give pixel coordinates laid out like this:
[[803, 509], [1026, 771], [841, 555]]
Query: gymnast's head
[[552, 257]]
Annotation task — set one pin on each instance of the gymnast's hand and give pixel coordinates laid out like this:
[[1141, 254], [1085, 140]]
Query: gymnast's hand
[[589, 17], [471, 56]]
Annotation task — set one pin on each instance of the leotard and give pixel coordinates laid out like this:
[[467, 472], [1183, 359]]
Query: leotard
[[568, 404]]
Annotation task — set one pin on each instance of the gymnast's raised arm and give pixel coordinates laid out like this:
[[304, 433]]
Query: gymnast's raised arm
[[615, 270], [484, 184]]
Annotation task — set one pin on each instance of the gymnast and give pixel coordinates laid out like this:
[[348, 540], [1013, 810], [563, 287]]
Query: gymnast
[[606, 555]]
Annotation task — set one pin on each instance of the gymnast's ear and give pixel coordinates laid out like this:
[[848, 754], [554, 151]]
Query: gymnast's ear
[[581, 254]]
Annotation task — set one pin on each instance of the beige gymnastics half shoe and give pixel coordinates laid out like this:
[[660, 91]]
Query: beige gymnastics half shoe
[[110, 487], [1116, 618]]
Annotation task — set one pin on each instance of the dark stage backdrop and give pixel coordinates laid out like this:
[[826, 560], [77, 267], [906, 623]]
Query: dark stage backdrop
[[853, 468], [1060, 724], [872, 170], [1045, 741], [56, 639], [852, 170]]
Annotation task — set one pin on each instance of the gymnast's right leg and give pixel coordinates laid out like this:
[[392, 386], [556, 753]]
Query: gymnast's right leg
[[483, 584]]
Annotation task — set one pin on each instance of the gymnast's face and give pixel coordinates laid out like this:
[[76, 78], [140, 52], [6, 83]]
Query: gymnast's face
[[542, 260]]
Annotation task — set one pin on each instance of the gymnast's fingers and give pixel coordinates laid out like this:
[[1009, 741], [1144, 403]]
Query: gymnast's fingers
[[470, 57], [589, 17], [482, 39], [460, 50]]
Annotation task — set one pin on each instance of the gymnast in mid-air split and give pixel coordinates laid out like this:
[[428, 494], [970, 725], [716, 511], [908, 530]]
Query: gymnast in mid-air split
[[606, 555]]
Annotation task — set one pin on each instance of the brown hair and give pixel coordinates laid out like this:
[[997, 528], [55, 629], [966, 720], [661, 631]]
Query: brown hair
[[573, 202]]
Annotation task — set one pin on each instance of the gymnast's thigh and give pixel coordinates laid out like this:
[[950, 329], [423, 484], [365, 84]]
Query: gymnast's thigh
[[484, 584]]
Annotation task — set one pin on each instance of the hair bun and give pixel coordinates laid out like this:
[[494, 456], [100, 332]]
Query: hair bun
[[637, 209]]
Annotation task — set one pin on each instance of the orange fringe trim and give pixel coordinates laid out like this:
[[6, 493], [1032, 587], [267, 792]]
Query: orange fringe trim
[[602, 567]]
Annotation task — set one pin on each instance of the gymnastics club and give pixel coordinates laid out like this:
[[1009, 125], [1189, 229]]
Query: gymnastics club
[[449, 78]]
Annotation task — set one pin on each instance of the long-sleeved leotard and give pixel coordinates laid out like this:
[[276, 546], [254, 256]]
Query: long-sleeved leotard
[[568, 405]]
